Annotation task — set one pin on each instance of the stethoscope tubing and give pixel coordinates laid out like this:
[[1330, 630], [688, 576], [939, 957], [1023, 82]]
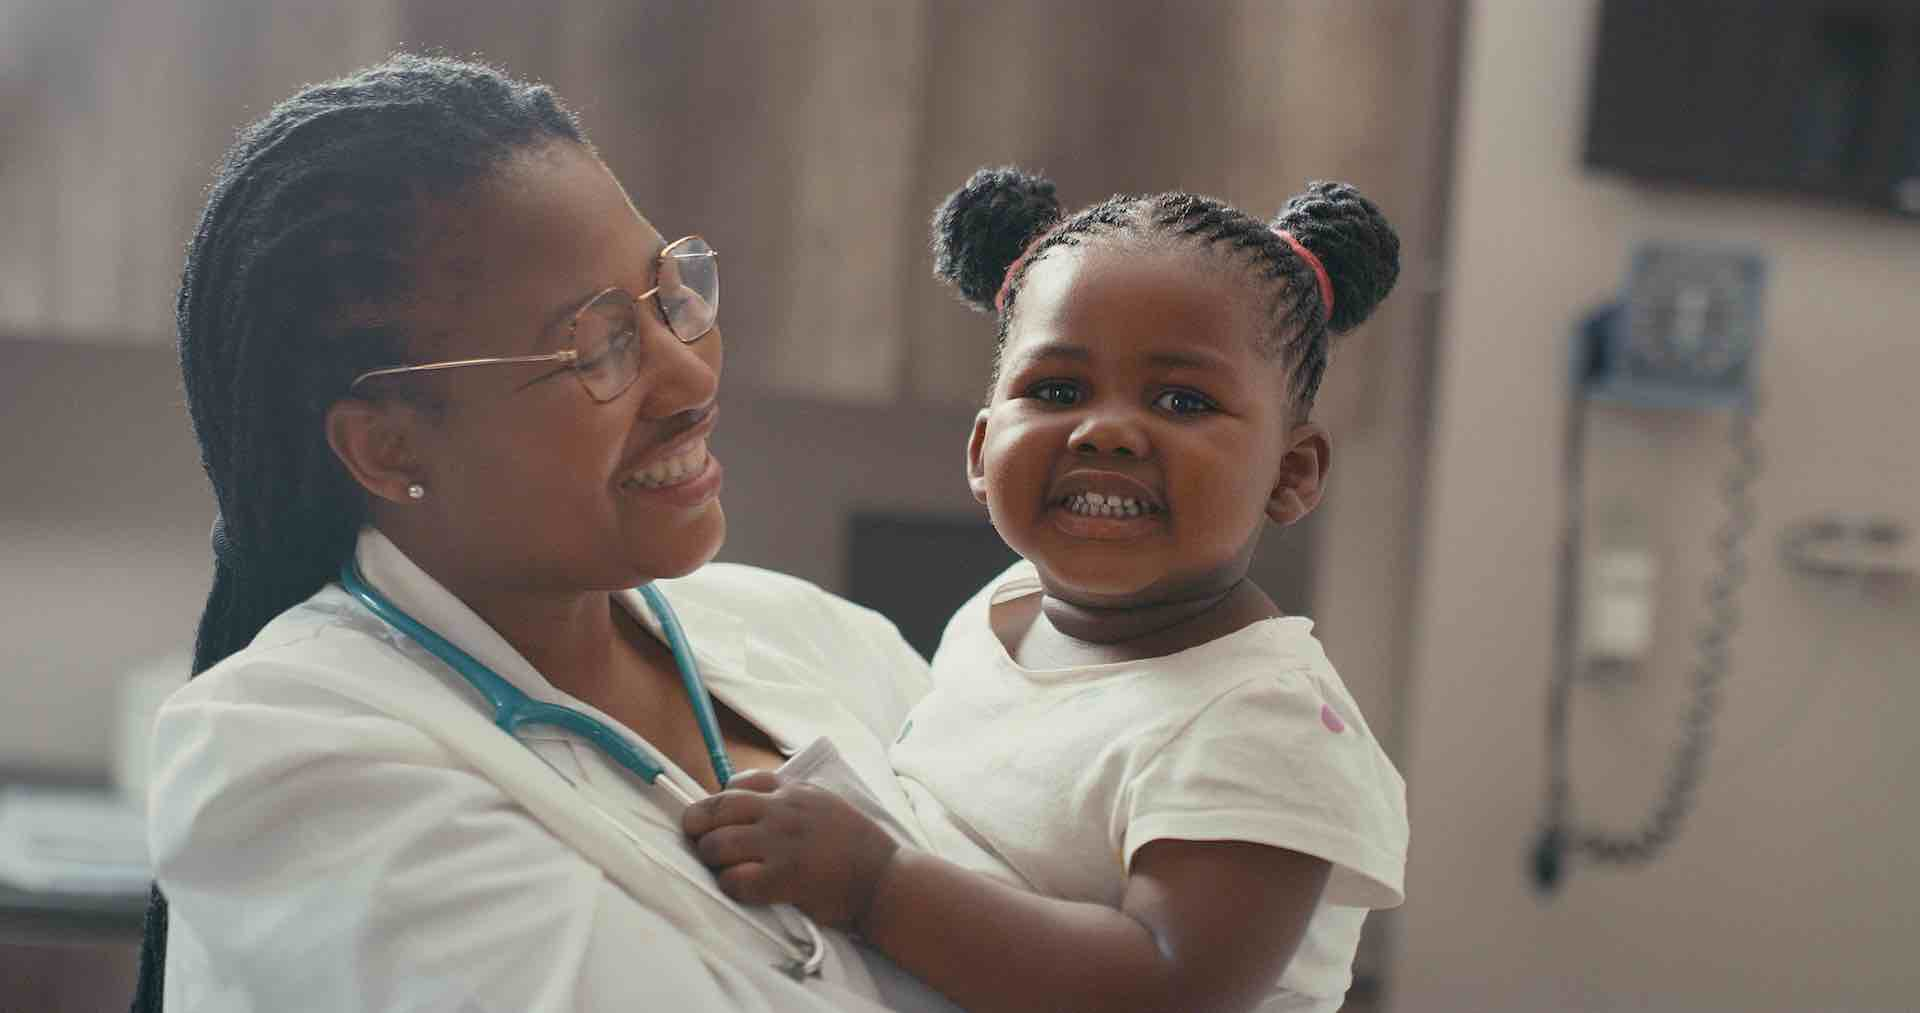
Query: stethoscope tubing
[[697, 694], [513, 710]]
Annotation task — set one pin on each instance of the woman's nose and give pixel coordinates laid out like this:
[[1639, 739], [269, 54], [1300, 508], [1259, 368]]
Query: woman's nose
[[681, 376], [1110, 431]]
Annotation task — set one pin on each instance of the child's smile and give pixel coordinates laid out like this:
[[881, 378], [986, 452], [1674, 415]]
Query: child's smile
[[1136, 436], [1096, 503]]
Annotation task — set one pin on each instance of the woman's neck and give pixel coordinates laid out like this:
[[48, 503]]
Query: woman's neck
[[568, 637]]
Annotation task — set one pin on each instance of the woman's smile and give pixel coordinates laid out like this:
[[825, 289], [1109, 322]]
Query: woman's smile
[[688, 479], [684, 472]]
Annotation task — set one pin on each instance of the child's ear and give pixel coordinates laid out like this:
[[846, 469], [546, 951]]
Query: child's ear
[[1303, 474], [376, 442], [976, 447]]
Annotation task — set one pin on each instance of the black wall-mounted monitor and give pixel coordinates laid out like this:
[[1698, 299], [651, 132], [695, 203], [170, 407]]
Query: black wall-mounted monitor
[[1812, 97], [916, 569]]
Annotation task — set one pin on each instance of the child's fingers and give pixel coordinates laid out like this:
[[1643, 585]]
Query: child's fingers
[[731, 845], [724, 809], [746, 882]]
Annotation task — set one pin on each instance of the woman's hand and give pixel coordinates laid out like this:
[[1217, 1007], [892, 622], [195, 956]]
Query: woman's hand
[[770, 842]]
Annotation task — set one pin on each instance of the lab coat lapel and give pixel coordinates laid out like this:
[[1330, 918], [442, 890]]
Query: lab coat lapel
[[791, 712], [629, 860], [765, 690]]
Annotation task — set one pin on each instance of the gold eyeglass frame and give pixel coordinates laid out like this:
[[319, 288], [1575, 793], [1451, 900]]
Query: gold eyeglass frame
[[569, 355]]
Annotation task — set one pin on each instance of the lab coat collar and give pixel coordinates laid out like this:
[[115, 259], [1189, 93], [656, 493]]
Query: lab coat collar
[[719, 639]]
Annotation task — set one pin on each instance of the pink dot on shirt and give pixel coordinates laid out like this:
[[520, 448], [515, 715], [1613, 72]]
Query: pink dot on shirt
[[1331, 720]]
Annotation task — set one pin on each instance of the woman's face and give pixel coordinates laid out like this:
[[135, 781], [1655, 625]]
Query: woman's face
[[529, 480]]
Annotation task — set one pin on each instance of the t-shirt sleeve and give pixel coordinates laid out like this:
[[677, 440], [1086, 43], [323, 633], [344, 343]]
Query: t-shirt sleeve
[[1276, 761]]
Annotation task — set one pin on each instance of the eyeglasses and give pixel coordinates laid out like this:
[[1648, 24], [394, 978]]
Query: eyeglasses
[[603, 347]]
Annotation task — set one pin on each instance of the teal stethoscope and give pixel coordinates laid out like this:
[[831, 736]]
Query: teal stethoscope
[[514, 710]]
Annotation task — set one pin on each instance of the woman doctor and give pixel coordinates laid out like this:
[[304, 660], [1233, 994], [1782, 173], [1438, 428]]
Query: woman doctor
[[454, 394]]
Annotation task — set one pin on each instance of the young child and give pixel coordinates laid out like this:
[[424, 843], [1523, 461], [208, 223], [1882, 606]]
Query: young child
[[1146, 786]]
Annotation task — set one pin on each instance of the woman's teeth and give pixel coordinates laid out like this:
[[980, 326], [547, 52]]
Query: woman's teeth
[[1093, 504], [672, 471]]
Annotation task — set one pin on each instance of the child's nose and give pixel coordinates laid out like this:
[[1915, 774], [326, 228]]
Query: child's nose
[[1110, 432]]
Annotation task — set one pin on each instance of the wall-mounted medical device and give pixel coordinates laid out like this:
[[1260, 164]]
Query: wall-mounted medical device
[[1682, 337]]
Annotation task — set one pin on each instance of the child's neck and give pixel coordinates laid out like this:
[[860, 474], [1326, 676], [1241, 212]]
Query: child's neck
[[1042, 631]]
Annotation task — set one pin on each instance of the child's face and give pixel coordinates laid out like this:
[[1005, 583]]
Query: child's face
[[1132, 375]]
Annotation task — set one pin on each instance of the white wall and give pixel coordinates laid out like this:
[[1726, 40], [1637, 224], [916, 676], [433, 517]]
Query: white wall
[[104, 563], [1797, 883]]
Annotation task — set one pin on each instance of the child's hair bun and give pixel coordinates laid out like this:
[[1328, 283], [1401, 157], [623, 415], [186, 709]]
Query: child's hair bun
[[1354, 242], [982, 228]]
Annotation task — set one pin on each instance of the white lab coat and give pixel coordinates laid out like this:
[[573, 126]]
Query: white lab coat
[[338, 825]]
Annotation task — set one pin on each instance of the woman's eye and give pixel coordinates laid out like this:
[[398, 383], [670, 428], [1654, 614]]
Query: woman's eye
[[1183, 402], [1056, 392], [615, 345]]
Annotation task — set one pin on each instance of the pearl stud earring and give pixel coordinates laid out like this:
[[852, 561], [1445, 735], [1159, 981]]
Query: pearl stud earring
[[416, 491]]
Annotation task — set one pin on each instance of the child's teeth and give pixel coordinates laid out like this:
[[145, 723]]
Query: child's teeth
[[1093, 504]]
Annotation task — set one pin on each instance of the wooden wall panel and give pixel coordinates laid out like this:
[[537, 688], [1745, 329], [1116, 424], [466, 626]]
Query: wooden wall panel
[[1102, 97], [117, 112], [855, 129], [809, 139]]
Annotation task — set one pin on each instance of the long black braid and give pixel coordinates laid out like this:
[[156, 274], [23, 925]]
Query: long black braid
[[989, 234], [304, 251]]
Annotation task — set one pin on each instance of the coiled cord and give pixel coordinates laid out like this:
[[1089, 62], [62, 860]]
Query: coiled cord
[[1560, 836]]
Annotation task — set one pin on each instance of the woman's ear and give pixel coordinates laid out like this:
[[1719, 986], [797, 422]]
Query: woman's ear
[[377, 442], [1303, 474], [976, 466]]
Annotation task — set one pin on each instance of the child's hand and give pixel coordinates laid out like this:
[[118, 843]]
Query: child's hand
[[771, 843]]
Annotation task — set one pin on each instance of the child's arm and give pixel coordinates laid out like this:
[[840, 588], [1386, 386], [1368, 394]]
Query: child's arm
[[1202, 926]]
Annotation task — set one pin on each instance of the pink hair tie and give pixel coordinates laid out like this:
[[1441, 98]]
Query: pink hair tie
[[1000, 297], [1006, 280], [1319, 269]]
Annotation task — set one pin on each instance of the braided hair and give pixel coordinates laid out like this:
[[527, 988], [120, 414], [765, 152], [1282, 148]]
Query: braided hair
[[988, 235], [306, 248]]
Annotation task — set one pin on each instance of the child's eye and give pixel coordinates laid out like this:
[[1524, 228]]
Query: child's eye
[[1183, 402], [1056, 392]]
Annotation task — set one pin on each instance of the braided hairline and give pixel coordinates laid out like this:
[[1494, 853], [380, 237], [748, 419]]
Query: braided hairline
[[1298, 318], [306, 223]]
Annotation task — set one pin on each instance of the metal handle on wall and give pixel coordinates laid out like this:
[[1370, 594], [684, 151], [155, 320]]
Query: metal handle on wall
[[1837, 545]]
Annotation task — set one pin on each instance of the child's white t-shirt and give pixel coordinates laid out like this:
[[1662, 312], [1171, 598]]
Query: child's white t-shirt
[[1052, 779]]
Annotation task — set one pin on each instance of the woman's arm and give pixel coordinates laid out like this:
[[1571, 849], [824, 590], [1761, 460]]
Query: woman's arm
[[1202, 926]]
